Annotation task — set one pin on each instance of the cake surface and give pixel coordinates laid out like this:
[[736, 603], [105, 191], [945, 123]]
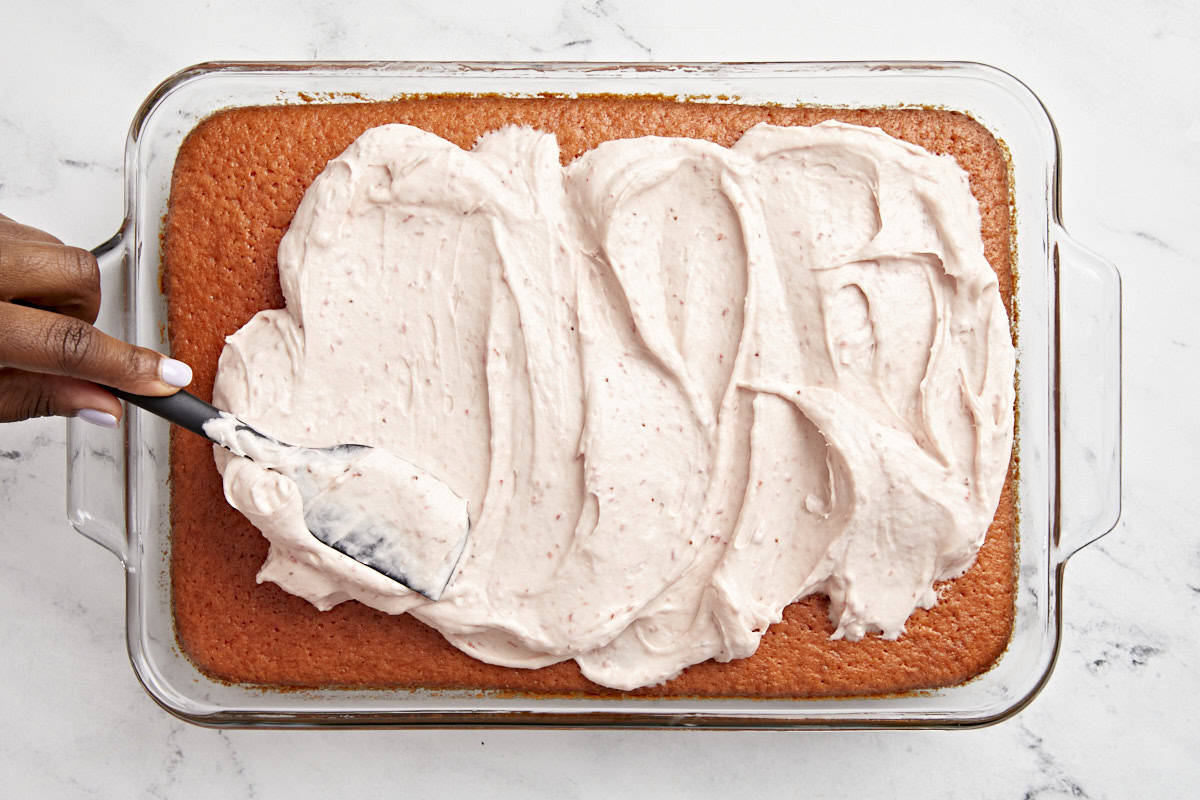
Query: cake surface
[[238, 180]]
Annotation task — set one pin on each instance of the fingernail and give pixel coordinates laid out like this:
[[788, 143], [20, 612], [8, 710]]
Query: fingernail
[[101, 418], [174, 373]]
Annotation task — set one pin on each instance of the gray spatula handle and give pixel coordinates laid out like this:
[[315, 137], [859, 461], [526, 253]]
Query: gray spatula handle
[[182, 408]]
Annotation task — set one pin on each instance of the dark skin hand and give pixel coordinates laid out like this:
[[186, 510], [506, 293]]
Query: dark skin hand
[[49, 352]]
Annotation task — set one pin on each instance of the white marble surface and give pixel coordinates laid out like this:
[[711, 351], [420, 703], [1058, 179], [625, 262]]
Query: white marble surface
[[1118, 718]]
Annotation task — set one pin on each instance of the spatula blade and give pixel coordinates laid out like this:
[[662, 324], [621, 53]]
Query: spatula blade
[[393, 517]]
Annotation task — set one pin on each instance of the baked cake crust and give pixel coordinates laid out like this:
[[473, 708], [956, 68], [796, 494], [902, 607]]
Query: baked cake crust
[[238, 179]]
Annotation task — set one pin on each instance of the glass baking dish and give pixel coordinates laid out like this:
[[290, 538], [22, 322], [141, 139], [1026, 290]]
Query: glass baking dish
[[1068, 428]]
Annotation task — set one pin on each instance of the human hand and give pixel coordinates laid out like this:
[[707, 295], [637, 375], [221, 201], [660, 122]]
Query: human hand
[[49, 351]]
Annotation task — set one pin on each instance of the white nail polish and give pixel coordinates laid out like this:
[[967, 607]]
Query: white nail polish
[[101, 418], [174, 373]]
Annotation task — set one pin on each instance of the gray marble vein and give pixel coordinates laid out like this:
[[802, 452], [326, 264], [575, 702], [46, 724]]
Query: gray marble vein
[[241, 773], [604, 12], [1054, 780], [75, 163], [1154, 240]]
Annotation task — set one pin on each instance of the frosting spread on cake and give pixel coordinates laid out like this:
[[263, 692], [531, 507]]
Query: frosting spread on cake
[[679, 385]]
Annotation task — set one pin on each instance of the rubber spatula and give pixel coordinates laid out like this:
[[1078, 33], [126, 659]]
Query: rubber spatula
[[372, 506]]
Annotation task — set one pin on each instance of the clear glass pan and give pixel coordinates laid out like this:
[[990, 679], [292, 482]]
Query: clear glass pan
[[1069, 393]]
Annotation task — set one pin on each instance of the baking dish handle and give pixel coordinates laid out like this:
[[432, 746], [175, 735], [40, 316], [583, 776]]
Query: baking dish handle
[[1088, 308], [95, 455]]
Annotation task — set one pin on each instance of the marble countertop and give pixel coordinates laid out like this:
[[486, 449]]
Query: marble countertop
[[1117, 719]]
